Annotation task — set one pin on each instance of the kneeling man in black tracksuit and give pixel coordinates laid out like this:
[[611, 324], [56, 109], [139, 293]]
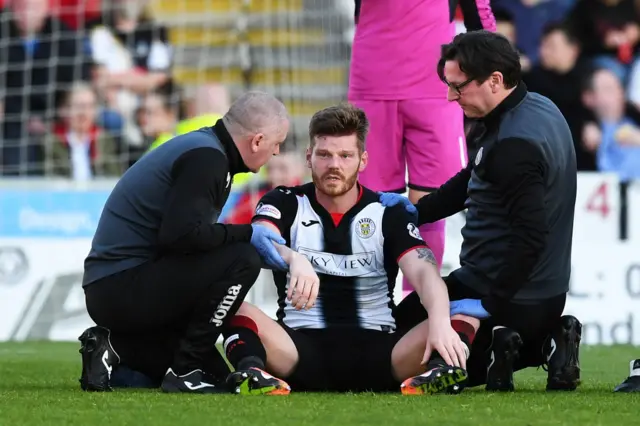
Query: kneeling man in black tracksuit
[[163, 278], [519, 192]]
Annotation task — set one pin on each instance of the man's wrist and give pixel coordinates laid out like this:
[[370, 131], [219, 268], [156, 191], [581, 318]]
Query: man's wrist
[[289, 256], [436, 317]]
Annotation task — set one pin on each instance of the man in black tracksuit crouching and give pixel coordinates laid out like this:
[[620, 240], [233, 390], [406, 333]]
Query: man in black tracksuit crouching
[[519, 192], [163, 277]]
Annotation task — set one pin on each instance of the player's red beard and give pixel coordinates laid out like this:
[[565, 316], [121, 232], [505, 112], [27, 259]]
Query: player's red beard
[[337, 187]]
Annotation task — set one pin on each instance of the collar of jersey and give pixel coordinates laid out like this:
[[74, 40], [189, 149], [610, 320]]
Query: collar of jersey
[[309, 190], [236, 165]]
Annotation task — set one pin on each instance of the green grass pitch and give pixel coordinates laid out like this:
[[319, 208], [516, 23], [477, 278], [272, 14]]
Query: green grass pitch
[[39, 386]]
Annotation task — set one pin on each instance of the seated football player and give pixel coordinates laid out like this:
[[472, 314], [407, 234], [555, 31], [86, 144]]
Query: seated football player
[[337, 328]]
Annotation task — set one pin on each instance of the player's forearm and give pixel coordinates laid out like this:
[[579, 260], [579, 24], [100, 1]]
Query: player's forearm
[[422, 272], [433, 294], [446, 201], [287, 254]]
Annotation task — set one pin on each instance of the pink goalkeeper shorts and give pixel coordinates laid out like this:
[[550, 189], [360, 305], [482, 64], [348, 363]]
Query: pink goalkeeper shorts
[[425, 136]]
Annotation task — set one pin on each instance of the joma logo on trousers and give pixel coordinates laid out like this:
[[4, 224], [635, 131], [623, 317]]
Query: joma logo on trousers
[[223, 308]]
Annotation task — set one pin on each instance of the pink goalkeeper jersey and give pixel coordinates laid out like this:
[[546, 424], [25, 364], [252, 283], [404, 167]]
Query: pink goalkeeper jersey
[[397, 46]]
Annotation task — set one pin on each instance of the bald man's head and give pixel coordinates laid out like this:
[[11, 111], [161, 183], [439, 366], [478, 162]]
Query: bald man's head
[[258, 123]]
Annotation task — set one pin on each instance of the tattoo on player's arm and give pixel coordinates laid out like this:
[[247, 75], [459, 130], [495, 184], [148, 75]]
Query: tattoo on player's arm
[[427, 255]]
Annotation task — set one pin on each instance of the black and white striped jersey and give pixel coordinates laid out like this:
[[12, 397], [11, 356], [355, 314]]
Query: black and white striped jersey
[[355, 256]]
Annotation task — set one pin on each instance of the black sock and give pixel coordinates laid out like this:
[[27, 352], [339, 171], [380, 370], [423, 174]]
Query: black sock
[[465, 339], [435, 361], [242, 345]]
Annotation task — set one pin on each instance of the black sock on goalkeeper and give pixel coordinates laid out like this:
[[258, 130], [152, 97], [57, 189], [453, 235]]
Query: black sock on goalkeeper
[[242, 346]]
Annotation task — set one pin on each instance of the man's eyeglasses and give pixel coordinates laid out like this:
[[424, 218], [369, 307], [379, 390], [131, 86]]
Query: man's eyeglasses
[[458, 87]]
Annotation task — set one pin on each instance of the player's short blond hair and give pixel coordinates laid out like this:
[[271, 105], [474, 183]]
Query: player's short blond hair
[[340, 120]]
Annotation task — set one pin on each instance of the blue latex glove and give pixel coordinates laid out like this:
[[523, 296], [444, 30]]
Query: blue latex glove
[[471, 307], [390, 199], [262, 239]]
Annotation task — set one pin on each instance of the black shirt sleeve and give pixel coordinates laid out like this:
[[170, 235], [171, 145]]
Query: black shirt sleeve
[[445, 201], [199, 179], [518, 167], [278, 206], [400, 234], [471, 15]]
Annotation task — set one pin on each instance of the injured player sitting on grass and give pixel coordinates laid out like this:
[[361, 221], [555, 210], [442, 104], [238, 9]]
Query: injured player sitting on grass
[[337, 328]]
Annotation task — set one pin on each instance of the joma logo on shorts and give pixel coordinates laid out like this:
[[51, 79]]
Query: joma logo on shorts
[[223, 308]]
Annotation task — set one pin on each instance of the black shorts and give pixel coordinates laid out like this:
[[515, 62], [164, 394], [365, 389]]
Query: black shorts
[[343, 360], [534, 322]]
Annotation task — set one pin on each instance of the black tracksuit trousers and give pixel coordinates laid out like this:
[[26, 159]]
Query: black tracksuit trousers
[[170, 311]]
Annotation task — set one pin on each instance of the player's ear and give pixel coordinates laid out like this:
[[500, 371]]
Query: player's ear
[[257, 139], [308, 157], [364, 160]]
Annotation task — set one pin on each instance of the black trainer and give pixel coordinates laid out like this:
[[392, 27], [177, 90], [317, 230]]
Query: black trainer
[[503, 353], [562, 353], [631, 383], [98, 359], [194, 382]]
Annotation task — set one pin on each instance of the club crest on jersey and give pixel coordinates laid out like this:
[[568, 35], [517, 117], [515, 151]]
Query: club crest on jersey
[[414, 231], [365, 228], [268, 210]]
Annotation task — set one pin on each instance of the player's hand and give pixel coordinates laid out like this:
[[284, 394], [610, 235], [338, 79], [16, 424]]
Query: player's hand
[[304, 283], [470, 307], [262, 239], [390, 199], [443, 339]]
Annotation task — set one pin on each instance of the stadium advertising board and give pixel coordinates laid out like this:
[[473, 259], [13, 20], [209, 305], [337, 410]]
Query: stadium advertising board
[[46, 230]]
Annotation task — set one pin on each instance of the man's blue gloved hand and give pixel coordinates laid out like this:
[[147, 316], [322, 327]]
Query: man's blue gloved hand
[[262, 239], [471, 307], [390, 199]]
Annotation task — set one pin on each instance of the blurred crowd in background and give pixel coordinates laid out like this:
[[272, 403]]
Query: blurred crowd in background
[[86, 86]]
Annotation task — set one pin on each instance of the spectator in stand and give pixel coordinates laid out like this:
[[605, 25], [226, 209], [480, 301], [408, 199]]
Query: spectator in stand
[[76, 13], [78, 148], [186, 115], [160, 113], [609, 33], [206, 106], [615, 133], [40, 60], [505, 25], [285, 169], [558, 76], [132, 57], [530, 17]]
